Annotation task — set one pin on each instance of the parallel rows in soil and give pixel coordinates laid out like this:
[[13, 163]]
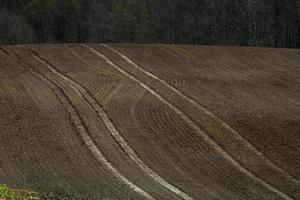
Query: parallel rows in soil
[[151, 121]]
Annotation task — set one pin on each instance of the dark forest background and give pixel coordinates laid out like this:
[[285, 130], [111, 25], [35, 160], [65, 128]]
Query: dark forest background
[[268, 23]]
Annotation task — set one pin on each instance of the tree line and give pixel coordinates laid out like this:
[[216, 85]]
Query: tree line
[[267, 23]]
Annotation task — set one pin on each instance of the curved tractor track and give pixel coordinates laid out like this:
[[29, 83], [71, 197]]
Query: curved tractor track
[[127, 150], [246, 143], [115, 134]]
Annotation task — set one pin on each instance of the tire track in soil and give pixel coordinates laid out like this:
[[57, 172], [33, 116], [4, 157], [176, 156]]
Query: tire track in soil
[[82, 129], [114, 131], [205, 136], [66, 101], [112, 93], [209, 113], [78, 56], [26, 110], [15, 57], [144, 166], [59, 93]]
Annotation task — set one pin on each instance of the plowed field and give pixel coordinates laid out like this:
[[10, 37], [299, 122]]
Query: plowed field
[[151, 121]]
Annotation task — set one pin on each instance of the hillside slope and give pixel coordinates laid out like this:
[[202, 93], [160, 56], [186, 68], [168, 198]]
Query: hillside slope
[[151, 121]]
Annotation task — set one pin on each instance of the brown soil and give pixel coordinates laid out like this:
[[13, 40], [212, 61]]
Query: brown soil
[[151, 121]]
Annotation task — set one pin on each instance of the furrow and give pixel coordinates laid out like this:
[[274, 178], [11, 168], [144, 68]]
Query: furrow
[[115, 133], [25, 97], [84, 131], [205, 136], [61, 95], [209, 113], [112, 93], [77, 56]]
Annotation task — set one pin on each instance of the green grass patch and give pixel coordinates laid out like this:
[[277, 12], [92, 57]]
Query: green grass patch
[[7, 193]]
